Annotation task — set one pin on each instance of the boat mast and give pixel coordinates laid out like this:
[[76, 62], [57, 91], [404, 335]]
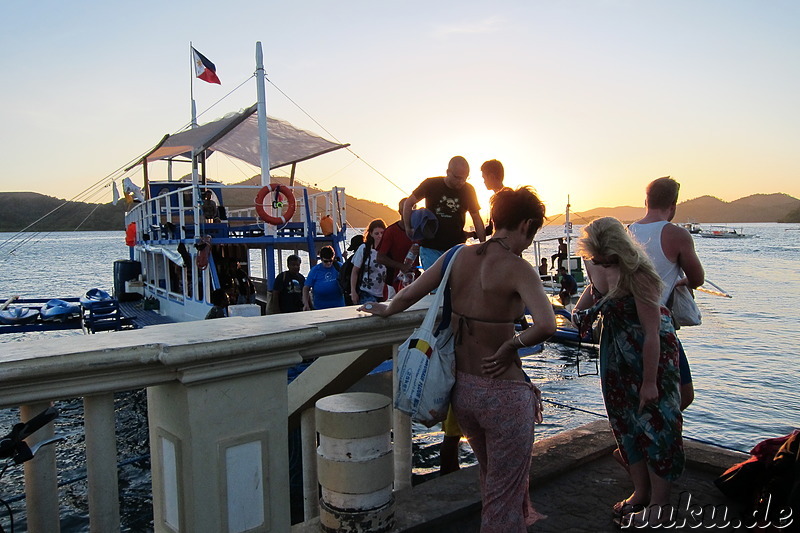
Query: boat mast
[[568, 231], [262, 115]]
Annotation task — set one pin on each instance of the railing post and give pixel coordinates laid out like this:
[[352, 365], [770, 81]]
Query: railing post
[[101, 462], [219, 450], [41, 481], [308, 432], [401, 430]]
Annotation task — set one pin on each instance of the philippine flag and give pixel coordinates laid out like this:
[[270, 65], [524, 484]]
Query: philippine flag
[[204, 69]]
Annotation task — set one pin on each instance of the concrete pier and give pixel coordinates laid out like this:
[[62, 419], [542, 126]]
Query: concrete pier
[[574, 481]]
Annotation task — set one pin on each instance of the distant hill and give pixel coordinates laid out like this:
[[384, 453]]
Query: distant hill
[[38, 212], [21, 210], [777, 207], [625, 214]]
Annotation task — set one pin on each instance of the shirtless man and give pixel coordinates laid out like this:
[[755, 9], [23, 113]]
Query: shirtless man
[[493, 174], [671, 249]]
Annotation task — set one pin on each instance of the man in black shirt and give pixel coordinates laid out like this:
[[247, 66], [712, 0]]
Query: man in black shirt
[[288, 287], [450, 198]]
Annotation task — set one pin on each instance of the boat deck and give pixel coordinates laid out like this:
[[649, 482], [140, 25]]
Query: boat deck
[[139, 317]]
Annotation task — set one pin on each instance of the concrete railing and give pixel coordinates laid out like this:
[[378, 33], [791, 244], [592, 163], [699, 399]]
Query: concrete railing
[[218, 404]]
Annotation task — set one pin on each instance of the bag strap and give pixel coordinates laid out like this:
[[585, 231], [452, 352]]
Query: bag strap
[[439, 297]]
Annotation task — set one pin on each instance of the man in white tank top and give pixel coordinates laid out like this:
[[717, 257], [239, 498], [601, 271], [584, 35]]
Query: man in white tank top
[[671, 249]]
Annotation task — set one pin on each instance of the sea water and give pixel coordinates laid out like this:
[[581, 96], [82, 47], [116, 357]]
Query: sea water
[[744, 356]]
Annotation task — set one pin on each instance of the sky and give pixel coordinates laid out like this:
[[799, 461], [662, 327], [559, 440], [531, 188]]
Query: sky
[[589, 99]]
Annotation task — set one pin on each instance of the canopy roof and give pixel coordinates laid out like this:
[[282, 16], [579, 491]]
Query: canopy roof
[[236, 135]]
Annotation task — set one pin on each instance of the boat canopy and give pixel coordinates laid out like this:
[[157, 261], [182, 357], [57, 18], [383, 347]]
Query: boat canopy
[[236, 135]]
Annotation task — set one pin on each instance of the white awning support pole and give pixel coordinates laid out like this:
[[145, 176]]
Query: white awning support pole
[[262, 115]]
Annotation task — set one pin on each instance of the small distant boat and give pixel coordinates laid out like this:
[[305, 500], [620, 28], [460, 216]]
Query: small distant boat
[[692, 227], [94, 296], [13, 316], [60, 311], [724, 232]]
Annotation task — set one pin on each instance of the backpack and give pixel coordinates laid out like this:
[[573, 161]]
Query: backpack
[[344, 275]]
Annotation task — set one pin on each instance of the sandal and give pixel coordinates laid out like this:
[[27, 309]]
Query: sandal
[[623, 508]]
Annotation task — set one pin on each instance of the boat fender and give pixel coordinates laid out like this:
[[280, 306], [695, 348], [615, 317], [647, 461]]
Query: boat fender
[[289, 204]]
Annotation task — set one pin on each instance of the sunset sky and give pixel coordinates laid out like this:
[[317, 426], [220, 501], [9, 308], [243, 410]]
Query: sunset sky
[[590, 99]]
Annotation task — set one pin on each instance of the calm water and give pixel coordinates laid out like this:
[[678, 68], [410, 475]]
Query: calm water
[[744, 357]]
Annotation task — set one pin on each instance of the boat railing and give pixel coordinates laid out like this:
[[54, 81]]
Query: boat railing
[[174, 216], [217, 392]]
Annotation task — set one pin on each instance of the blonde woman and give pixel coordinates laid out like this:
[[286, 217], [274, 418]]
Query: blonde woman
[[638, 366]]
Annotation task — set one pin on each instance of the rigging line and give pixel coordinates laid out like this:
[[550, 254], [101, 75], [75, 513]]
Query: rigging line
[[209, 108], [87, 217], [381, 174], [323, 180], [38, 235], [695, 439]]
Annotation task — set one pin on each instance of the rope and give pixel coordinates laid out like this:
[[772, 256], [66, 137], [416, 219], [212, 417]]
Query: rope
[[323, 128], [693, 439]]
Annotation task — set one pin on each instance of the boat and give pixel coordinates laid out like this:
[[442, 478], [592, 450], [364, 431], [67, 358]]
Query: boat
[[573, 263], [723, 232], [57, 310], [93, 297], [692, 227], [18, 315], [188, 238]]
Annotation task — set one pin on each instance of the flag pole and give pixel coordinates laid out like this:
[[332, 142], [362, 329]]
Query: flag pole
[[195, 191], [191, 84]]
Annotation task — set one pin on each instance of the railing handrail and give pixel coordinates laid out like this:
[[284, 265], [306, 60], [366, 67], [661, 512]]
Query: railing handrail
[[42, 370]]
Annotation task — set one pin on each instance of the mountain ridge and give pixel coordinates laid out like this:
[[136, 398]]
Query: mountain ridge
[[32, 211]]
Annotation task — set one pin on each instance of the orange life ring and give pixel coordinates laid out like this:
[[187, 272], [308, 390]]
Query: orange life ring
[[290, 204]]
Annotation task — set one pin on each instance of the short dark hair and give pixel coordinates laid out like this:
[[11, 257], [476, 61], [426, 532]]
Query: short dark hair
[[495, 168], [326, 252], [511, 208], [662, 193], [292, 258]]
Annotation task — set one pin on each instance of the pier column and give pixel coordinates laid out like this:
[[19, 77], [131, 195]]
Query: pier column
[[354, 462], [219, 445], [41, 481]]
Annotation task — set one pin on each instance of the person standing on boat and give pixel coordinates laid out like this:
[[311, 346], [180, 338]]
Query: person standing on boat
[[490, 286], [493, 174], [671, 248], [639, 371], [322, 290], [450, 198], [287, 291], [210, 211], [569, 286], [393, 249], [561, 254], [219, 303], [368, 277], [245, 289]]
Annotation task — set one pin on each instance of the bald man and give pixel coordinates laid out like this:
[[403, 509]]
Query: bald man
[[450, 198]]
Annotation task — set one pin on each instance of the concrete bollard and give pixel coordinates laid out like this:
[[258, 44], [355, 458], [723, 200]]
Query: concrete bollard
[[355, 463]]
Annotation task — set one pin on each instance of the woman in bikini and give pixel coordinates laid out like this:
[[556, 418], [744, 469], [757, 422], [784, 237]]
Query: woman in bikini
[[638, 367], [491, 285]]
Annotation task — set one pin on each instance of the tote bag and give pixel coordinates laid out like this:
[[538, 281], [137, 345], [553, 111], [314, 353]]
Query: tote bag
[[426, 365], [684, 310]]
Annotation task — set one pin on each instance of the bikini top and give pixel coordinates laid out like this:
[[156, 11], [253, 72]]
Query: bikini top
[[464, 320]]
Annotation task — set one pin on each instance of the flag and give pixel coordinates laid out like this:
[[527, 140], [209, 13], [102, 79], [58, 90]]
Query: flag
[[204, 69], [114, 193]]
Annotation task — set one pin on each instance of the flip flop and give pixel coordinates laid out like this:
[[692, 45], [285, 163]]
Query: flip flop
[[623, 508]]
